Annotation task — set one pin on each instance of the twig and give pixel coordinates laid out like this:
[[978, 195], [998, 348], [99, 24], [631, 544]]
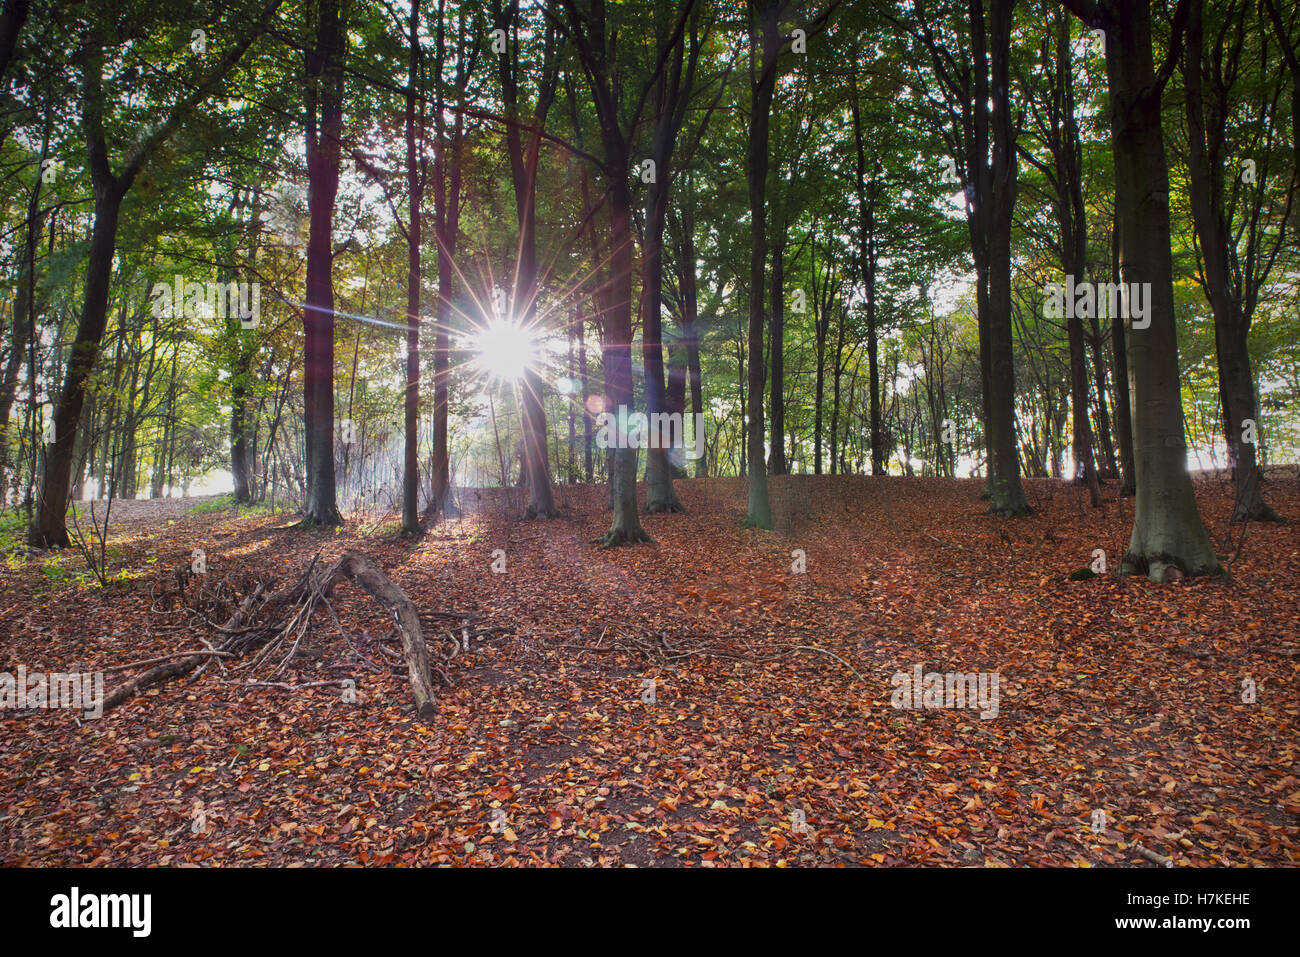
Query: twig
[[332, 683], [833, 655], [173, 655], [1153, 856], [960, 548]]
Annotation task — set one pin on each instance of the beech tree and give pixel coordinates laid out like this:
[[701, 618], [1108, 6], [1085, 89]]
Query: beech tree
[[524, 158], [323, 96], [1240, 206], [48, 526], [1169, 538], [976, 88]]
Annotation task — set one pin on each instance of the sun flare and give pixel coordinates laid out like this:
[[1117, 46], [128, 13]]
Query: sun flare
[[506, 349]]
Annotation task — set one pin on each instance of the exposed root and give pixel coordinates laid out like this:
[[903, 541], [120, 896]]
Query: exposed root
[[1261, 512], [1010, 511], [620, 536], [1164, 569]]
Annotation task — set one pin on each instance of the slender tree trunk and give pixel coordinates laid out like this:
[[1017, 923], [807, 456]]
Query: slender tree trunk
[[1071, 215], [866, 196], [776, 352], [837, 370], [626, 527], [1107, 465], [818, 397], [241, 462], [24, 313], [415, 196], [763, 86], [672, 89], [536, 470], [587, 464], [596, 50], [690, 319], [1206, 138], [1123, 384], [1007, 495]]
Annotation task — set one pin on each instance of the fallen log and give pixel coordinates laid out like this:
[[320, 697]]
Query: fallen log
[[380, 587]]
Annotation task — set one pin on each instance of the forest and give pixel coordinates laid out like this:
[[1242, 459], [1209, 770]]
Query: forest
[[652, 432]]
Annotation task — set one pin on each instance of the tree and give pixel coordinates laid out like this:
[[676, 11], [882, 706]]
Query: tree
[[48, 527], [1237, 250], [1057, 126], [323, 95], [416, 171], [524, 159], [597, 48], [671, 91], [983, 141], [449, 149], [765, 51], [1168, 537]]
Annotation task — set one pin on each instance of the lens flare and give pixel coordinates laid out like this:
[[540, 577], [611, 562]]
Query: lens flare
[[506, 350]]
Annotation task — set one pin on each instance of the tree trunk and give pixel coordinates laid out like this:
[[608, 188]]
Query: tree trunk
[[866, 196], [690, 318], [48, 529], [415, 196], [596, 51], [776, 353], [1106, 462], [1206, 139], [240, 461], [761, 92], [536, 469], [1071, 216], [672, 90], [1167, 530], [1123, 384], [24, 313], [1007, 496], [446, 227], [587, 464], [324, 94]]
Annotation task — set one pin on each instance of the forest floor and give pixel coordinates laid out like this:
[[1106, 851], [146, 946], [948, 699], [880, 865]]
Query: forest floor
[[768, 736]]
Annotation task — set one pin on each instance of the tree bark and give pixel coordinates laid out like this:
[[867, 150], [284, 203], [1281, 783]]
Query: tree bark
[[762, 88], [690, 317], [867, 250], [415, 196], [1071, 215], [776, 353], [323, 92], [1167, 531], [1123, 385], [24, 312], [1007, 495]]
